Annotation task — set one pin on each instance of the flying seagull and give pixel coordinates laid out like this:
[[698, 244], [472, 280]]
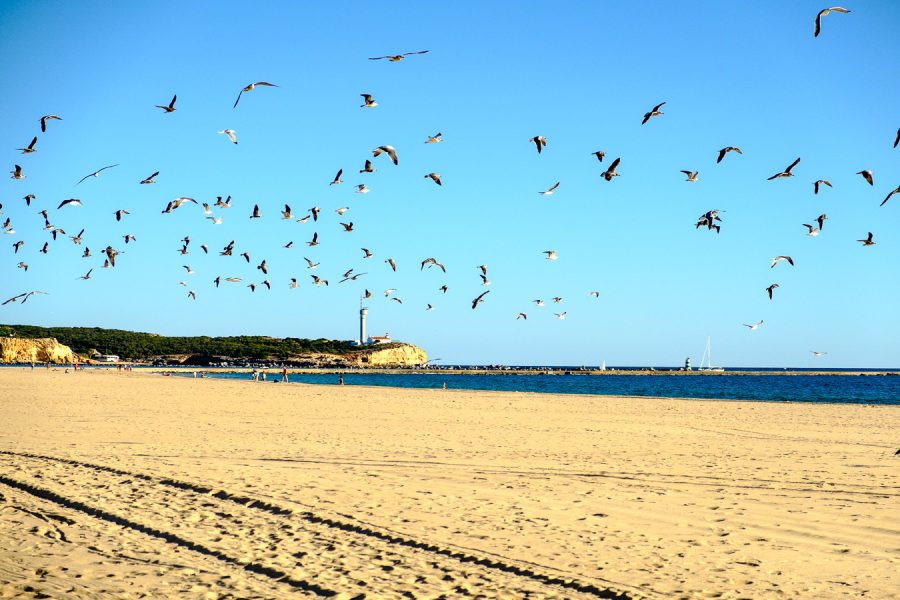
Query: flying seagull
[[46, 118], [111, 254], [149, 180], [479, 299], [361, 189], [366, 253], [348, 227], [894, 191], [778, 259], [257, 215], [653, 113], [337, 178], [561, 315], [70, 201], [286, 213], [87, 275], [551, 254], [817, 354], [821, 220], [368, 101], [435, 177], [392, 264], [437, 139], [691, 175], [250, 88], [341, 210], [96, 173], [811, 231], [819, 182], [754, 326], [17, 173], [397, 57], [314, 241], [171, 107], [786, 172], [230, 133], [521, 315], [822, 13], [30, 148], [868, 241], [367, 168], [771, 288], [610, 172], [24, 296], [725, 151], [121, 212], [539, 141], [549, 192], [389, 150], [599, 154], [867, 175]]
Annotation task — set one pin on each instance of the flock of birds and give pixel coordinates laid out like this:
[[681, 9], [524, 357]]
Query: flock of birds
[[710, 220]]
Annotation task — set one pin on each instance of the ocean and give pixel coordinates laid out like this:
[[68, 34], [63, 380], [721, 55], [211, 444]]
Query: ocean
[[849, 389]]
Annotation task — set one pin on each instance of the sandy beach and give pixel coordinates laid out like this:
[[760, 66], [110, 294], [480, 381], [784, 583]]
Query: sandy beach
[[140, 485]]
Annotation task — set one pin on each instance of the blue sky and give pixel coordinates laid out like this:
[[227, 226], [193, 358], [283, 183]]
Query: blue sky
[[497, 74]]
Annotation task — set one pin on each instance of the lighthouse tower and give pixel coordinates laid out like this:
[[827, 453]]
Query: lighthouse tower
[[363, 311]]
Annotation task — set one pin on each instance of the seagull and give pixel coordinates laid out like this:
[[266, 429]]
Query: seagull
[[443, 289], [30, 148], [192, 295], [867, 175], [725, 151], [894, 191], [397, 300], [86, 276], [87, 253], [257, 215], [437, 139], [429, 307], [24, 296], [819, 182], [389, 150], [121, 212], [812, 231], [478, 300], [293, 284], [653, 113], [563, 314], [348, 227], [230, 133], [485, 281], [821, 220], [817, 354], [398, 57], [539, 141], [367, 294], [483, 269], [822, 13], [786, 172], [778, 259], [97, 172], [17, 173], [286, 213], [367, 168], [171, 107], [289, 245], [205, 248], [69, 202], [538, 302], [18, 245], [46, 248], [342, 210], [263, 267], [557, 299], [315, 212], [691, 175], [754, 326], [223, 204], [599, 154], [129, 238], [28, 198], [362, 189], [250, 88], [206, 209], [22, 266], [215, 220], [435, 177], [610, 172], [232, 279], [393, 265], [226, 251], [432, 262], [310, 264], [111, 254], [46, 118], [366, 253], [318, 281], [149, 179], [868, 241], [303, 219], [266, 283], [551, 254], [246, 256], [368, 102], [252, 287], [348, 277], [337, 178], [897, 139], [594, 294], [314, 241], [549, 192], [708, 220], [771, 288], [521, 315], [189, 270]]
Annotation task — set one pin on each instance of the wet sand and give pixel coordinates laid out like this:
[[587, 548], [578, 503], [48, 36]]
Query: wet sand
[[123, 484]]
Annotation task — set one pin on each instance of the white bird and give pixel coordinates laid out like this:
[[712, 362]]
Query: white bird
[[230, 133], [342, 210], [549, 192], [250, 88], [561, 315], [594, 294], [551, 254], [778, 259], [97, 172], [811, 231], [691, 175], [215, 220], [816, 353], [754, 326], [389, 150], [538, 302], [362, 189], [368, 101]]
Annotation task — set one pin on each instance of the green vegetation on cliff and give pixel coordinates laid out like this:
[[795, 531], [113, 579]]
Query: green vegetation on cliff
[[131, 345]]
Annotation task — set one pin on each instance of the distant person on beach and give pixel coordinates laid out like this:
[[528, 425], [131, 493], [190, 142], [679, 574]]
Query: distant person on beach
[[254, 375], [341, 380], [263, 375], [284, 377]]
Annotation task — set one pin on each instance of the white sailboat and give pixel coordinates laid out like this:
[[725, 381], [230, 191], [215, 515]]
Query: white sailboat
[[707, 355]]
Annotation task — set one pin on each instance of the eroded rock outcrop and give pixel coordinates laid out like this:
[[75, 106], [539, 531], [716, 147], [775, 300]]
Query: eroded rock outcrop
[[395, 355], [40, 350]]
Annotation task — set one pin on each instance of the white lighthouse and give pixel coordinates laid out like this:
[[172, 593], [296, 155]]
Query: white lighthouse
[[363, 311]]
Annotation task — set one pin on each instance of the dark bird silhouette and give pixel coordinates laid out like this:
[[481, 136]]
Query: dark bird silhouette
[[771, 288], [818, 24], [337, 178], [653, 113], [868, 241], [610, 172], [599, 154], [46, 118], [896, 190], [149, 180], [867, 175], [69, 202], [171, 107], [479, 299], [539, 142], [786, 172], [249, 88], [725, 151], [29, 148], [96, 173], [398, 57], [819, 182]]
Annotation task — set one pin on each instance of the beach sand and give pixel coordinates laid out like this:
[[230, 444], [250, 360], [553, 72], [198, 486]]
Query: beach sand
[[130, 484]]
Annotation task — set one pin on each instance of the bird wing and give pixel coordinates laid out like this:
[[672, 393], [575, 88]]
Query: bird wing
[[479, 298], [895, 191], [722, 154], [172, 103], [13, 299], [818, 25], [614, 164], [83, 178], [793, 164], [392, 153], [33, 142], [108, 167], [555, 185], [658, 106]]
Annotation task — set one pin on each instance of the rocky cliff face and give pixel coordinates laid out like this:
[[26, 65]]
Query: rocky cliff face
[[400, 355], [39, 350]]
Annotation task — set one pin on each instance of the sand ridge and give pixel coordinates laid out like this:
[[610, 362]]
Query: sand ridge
[[382, 492]]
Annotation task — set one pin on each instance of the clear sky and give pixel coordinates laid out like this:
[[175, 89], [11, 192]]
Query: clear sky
[[582, 74]]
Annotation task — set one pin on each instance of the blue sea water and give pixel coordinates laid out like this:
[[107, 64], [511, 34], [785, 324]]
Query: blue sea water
[[851, 389]]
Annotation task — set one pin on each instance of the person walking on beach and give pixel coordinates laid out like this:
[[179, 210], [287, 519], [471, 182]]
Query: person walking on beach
[[284, 377], [254, 375], [341, 379]]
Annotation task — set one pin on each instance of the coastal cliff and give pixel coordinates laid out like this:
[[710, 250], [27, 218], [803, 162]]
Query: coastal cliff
[[396, 355], [41, 350]]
